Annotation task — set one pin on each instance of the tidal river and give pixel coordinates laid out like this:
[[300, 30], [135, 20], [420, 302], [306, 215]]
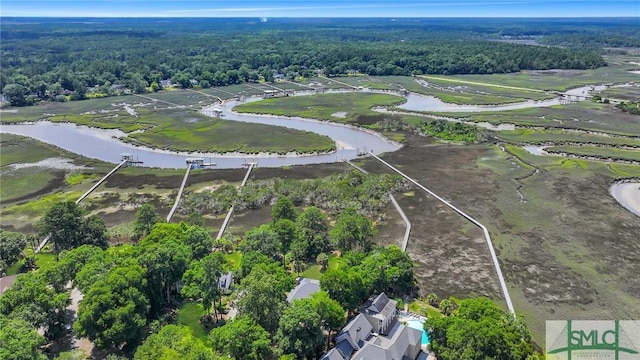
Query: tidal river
[[105, 144]]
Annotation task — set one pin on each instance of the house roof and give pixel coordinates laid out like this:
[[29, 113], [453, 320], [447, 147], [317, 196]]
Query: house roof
[[356, 341], [392, 347], [380, 306], [356, 331], [305, 289], [333, 354], [351, 338]]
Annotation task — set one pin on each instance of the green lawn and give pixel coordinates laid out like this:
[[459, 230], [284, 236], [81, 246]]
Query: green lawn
[[189, 315], [422, 308], [234, 259], [13, 269], [313, 271], [44, 260]]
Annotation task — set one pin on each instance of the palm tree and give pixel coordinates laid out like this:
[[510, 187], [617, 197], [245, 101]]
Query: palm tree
[[447, 306], [323, 260], [432, 299]]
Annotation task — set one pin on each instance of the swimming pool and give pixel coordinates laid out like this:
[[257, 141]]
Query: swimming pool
[[419, 325]]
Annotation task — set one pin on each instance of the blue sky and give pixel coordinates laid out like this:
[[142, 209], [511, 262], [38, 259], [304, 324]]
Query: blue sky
[[319, 8]]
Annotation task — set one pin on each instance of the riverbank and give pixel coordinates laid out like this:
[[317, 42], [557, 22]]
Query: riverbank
[[628, 195]]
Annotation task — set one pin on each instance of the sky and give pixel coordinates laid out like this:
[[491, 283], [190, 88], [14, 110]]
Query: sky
[[320, 8]]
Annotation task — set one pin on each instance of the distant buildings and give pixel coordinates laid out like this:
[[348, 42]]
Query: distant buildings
[[376, 334]]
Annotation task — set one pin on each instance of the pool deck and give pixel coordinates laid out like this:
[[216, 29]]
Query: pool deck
[[408, 315]]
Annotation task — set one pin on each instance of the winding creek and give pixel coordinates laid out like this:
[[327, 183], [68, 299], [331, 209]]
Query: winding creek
[[105, 144]]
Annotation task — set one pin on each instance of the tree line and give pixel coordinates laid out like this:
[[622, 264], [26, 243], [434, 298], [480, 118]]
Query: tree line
[[50, 62], [453, 131], [367, 193], [130, 290]]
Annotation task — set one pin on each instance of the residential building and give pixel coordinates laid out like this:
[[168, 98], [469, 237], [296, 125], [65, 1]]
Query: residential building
[[304, 289], [376, 334], [381, 313]]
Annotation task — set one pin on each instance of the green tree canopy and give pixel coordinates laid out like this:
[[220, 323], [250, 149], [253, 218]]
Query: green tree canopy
[[252, 259], [199, 241], [18, 94], [332, 315], [387, 267], [478, 329], [262, 239], [352, 231], [313, 226], [283, 209], [146, 217], [114, 310], [263, 295], [201, 279], [173, 342], [242, 339], [32, 299], [287, 232], [165, 256], [98, 265], [70, 263], [19, 340], [68, 227], [346, 287], [383, 269], [11, 246], [300, 330]]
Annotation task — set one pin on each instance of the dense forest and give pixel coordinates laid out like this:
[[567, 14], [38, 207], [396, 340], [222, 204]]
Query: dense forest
[[61, 59]]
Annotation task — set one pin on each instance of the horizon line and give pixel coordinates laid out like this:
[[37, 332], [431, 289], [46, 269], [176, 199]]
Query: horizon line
[[318, 17]]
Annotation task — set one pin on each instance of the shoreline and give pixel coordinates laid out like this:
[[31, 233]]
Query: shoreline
[[627, 194], [116, 135]]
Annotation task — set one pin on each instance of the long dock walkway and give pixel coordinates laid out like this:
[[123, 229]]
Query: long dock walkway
[[407, 231], [95, 186], [175, 205], [496, 264], [226, 219]]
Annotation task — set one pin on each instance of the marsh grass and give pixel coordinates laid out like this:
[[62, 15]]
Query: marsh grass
[[538, 136], [322, 106], [597, 152]]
